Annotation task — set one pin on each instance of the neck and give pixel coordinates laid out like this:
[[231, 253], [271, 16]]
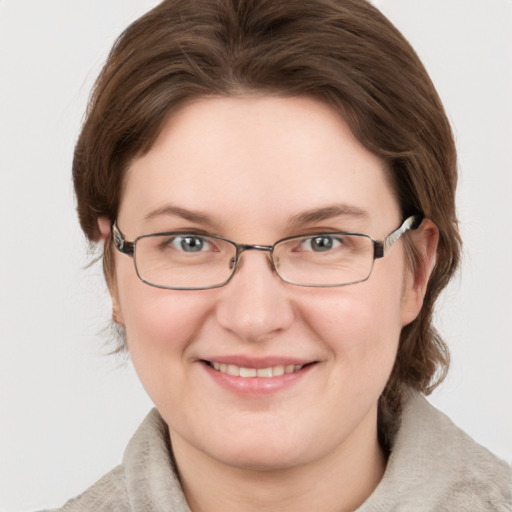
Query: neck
[[341, 481]]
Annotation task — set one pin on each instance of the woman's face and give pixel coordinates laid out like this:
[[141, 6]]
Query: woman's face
[[255, 170]]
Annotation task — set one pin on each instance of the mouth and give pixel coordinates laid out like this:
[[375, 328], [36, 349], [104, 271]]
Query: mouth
[[269, 372]]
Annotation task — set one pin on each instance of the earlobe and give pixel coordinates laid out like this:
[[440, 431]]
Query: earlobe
[[104, 225], [117, 315], [425, 240], [104, 228]]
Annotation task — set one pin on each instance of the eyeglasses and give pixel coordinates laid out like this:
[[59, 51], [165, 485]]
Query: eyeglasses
[[183, 260]]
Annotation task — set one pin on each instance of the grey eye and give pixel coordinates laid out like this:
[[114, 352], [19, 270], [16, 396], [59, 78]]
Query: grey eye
[[321, 243], [189, 243]]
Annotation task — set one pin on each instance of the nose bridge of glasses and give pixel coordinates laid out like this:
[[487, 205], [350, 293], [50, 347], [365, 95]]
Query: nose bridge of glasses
[[250, 247], [241, 248]]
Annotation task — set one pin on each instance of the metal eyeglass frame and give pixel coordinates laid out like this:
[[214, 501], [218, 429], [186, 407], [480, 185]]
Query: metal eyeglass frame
[[380, 248]]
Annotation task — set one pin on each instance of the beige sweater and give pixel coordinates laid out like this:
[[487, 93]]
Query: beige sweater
[[433, 466]]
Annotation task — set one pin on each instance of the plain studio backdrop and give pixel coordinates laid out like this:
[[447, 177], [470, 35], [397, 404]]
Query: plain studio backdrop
[[68, 409]]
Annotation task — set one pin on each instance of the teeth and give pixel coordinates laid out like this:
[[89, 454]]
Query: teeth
[[277, 370], [233, 370], [248, 372], [264, 372], [273, 371]]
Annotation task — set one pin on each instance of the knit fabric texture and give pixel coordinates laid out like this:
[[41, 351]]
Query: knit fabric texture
[[433, 467]]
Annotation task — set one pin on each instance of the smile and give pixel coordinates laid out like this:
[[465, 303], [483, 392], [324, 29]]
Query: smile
[[240, 371]]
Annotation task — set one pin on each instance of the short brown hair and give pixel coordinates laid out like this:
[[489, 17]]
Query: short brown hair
[[343, 52]]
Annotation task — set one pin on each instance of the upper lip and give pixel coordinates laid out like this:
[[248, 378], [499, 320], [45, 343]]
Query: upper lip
[[260, 362]]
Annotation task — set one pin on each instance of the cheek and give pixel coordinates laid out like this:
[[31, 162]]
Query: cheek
[[159, 319], [160, 324], [361, 325], [161, 328]]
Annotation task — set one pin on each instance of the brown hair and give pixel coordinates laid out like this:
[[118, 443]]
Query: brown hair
[[343, 52]]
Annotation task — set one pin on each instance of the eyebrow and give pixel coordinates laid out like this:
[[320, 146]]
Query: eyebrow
[[296, 221], [176, 211], [328, 212]]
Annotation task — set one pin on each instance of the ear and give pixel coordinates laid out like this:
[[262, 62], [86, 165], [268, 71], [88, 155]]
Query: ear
[[425, 240], [104, 227]]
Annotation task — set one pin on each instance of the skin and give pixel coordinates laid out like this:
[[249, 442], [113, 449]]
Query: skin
[[249, 165]]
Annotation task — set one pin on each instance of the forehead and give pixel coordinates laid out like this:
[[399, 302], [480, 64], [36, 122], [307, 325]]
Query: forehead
[[255, 160]]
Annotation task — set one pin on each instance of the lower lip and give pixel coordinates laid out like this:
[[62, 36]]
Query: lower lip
[[257, 386]]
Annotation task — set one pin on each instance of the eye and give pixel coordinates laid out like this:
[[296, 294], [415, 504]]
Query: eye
[[321, 243], [190, 243]]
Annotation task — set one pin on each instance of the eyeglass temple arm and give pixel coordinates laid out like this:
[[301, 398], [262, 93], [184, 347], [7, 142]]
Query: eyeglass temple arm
[[380, 248], [122, 245]]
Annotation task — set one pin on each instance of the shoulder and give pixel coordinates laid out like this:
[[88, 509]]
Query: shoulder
[[146, 479], [467, 475], [107, 495], [435, 466]]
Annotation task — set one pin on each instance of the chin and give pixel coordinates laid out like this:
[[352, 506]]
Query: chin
[[256, 459], [261, 449]]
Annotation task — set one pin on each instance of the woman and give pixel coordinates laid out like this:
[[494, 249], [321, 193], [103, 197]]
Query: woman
[[273, 184]]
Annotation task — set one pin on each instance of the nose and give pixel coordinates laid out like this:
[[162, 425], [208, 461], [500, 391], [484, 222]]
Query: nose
[[255, 304]]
